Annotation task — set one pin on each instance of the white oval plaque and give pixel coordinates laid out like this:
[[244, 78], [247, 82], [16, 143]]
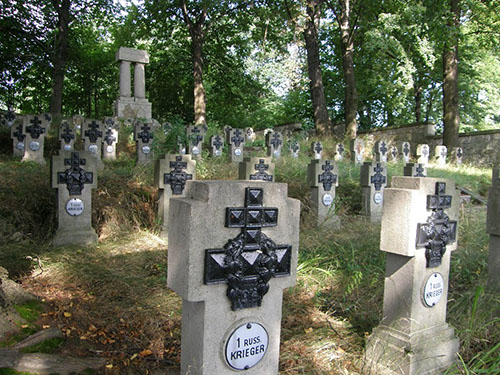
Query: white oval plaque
[[237, 152], [246, 346], [327, 199], [196, 150], [75, 207], [20, 146], [93, 148], [360, 157], [34, 145], [433, 290], [67, 147], [277, 153], [218, 152], [109, 149], [146, 149], [377, 197]]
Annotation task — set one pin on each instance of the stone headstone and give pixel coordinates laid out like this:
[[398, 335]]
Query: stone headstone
[[109, 142], [457, 155], [357, 150], [415, 170], [373, 181], [406, 151], [35, 128], [143, 136], [250, 134], [227, 133], [232, 289], [418, 234], [274, 142], [256, 168], [322, 177], [78, 122], [380, 150], [67, 135], [136, 106], [92, 134], [9, 118], [74, 175], [294, 149], [172, 172], [339, 152], [394, 154], [493, 229], [18, 139], [423, 154], [317, 150], [236, 143], [195, 135], [217, 143], [440, 153]]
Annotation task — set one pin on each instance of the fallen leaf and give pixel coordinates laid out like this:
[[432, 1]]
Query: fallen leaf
[[145, 353], [308, 330], [45, 327], [67, 314], [83, 338], [134, 356], [92, 328], [24, 326], [109, 366]]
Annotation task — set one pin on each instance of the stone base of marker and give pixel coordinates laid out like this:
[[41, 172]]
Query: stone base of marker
[[132, 108], [256, 168], [414, 170], [236, 153]]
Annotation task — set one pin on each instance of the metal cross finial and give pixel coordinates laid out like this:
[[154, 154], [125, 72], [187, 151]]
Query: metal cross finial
[[439, 230], [378, 179], [327, 178], [318, 148], [248, 261], [93, 132], [177, 177], [261, 174], [35, 129], [75, 177]]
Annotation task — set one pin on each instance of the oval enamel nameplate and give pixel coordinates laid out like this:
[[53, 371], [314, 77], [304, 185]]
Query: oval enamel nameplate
[[109, 149], [327, 199], [360, 157], [276, 154], [67, 147], [20, 146], [196, 150], [146, 149], [75, 207], [35, 146], [377, 197], [433, 289], [218, 152], [237, 152], [93, 148], [246, 346]]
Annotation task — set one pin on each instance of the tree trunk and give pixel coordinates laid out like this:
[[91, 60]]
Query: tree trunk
[[322, 121], [197, 36], [418, 101], [60, 56], [451, 115], [347, 48]]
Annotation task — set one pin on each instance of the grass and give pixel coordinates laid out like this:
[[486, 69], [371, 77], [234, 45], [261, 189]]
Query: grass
[[111, 299]]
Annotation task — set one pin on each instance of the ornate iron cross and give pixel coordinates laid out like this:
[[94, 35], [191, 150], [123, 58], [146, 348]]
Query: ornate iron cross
[[237, 139], [217, 143], [19, 133], [439, 230], [340, 149], [317, 147], [327, 178], [35, 129], [378, 179], [261, 174], [275, 140], [93, 132], [196, 139], [383, 148], [419, 171], [67, 133], [145, 135], [406, 149], [177, 177], [75, 177], [248, 261], [109, 138]]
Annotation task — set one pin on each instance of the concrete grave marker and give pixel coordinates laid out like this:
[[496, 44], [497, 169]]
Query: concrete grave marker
[[415, 170], [35, 128], [195, 135], [236, 142], [143, 136], [67, 136], [232, 289], [440, 153], [9, 117], [294, 148], [339, 152], [110, 140], [227, 133], [418, 234], [92, 135], [373, 181], [423, 154], [380, 151], [317, 150], [74, 175], [171, 174], [181, 146], [394, 154], [493, 228], [18, 139], [217, 143], [357, 150], [457, 154], [322, 177], [274, 141], [406, 151], [250, 134], [256, 168]]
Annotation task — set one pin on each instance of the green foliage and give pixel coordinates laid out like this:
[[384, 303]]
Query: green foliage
[[48, 346], [29, 311]]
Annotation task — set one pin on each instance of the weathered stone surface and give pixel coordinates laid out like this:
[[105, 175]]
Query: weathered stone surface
[[92, 135], [132, 55], [317, 150], [256, 169], [493, 228]]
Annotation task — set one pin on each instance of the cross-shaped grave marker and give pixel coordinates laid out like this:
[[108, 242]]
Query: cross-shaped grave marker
[[423, 154], [92, 136], [322, 177], [217, 143], [274, 143], [339, 154], [373, 180], [109, 143], [18, 138], [261, 167], [294, 148], [327, 178], [143, 135], [256, 169], [66, 136], [236, 141], [34, 127]]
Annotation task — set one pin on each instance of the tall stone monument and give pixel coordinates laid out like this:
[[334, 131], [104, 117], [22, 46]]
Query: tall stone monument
[[143, 136], [128, 106], [171, 174], [35, 128], [493, 228], [317, 150], [232, 289], [373, 181], [419, 230], [236, 142], [74, 175], [423, 154], [256, 168], [357, 151], [322, 177]]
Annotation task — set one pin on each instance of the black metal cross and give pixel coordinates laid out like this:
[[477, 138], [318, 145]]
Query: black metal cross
[[67, 133], [18, 133], [196, 139], [275, 140], [406, 149], [294, 146], [394, 152], [383, 148], [145, 135], [248, 261], [177, 177], [378, 179], [35, 129], [75, 177], [460, 153], [340, 148], [237, 139], [109, 138], [419, 171], [261, 174], [93, 132], [439, 230], [443, 152], [10, 116], [217, 143], [327, 178], [318, 148]]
